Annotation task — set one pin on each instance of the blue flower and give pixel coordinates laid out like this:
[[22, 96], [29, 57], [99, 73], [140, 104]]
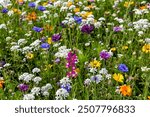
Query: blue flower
[[4, 10], [41, 8], [67, 87], [37, 29], [123, 68], [31, 4], [78, 19], [45, 46]]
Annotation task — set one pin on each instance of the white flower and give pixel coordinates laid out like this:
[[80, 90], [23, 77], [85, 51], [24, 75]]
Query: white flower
[[45, 93], [147, 40], [28, 97], [28, 77], [145, 68], [103, 71], [46, 88], [61, 94], [96, 78], [108, 76], [15, 48], [37, 79], [65, 81], [87, 82], [22, 41], [7, 65], [36, 70], [35, 91], [62, 52]]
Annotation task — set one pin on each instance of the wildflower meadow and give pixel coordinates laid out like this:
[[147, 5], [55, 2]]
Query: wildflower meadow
[[74, 49]]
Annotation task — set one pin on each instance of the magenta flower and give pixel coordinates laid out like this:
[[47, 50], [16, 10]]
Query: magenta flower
[[105, 55]]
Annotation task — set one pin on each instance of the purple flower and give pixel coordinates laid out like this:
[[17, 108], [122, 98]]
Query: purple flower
[[37, 29], [4, 10], [2, 63], [56, 37], [105, 55], [66, 86], [41, 8], [23, 87], [117, 29], [45, 46], [57, 60], [31, 4], [78, 19], [87, 28], [123, 68]]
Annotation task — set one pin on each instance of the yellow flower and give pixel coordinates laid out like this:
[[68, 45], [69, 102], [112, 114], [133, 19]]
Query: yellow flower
[[95, 64], [127, 4], [85, 15], [76, 10], [126, 90], [48, 67], [69, 4], [45, 3], [124, 47], [49, 40], [118, 77], [30, 55], [146, 48], [113, 49], [148, 97]]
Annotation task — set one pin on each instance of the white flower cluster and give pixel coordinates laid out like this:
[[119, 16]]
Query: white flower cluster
[[28, 97], [141, 25], [45, 89], [36, 91], [36, 70], [28, 77], [62, 52], [140, 11], [16, 46], [104, 73], [65, 80], [61, 94]]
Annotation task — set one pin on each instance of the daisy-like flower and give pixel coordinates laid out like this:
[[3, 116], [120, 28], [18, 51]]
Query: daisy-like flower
[[146, 48], [118, 77], [126, 90], [95, 64]]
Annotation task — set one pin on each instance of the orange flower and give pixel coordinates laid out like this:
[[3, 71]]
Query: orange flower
[[32, 16], [126, 90], [1, 83], [48, 27], [143, 7]]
